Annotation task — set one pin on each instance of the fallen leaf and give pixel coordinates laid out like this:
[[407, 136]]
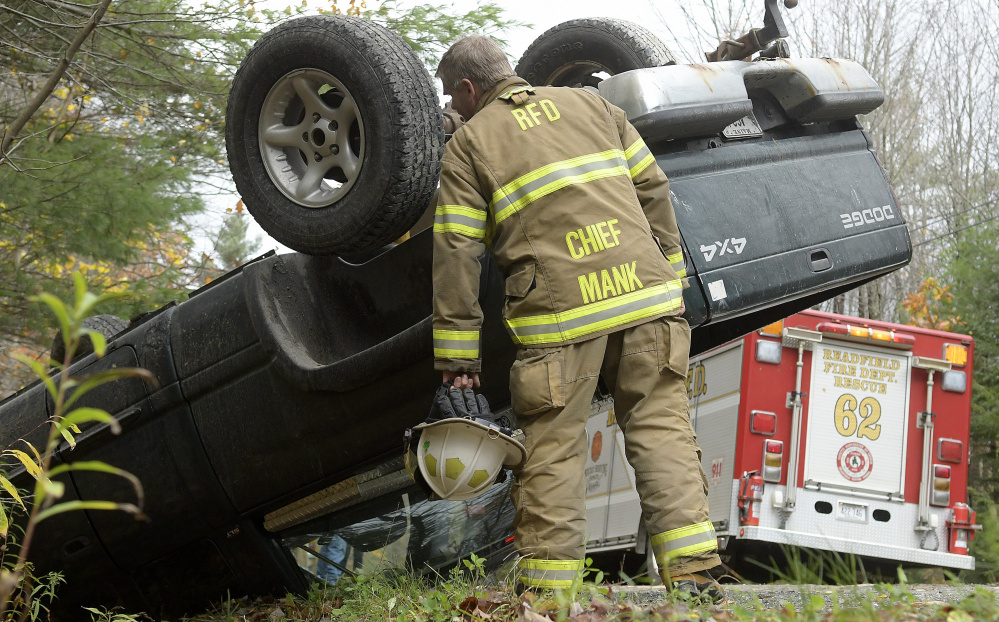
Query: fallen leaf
[[490, 605], [601, 606], [469, 605], [529, 615]]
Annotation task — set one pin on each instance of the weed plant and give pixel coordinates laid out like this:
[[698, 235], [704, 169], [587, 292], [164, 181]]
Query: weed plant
[[798, 566], [24, 596]]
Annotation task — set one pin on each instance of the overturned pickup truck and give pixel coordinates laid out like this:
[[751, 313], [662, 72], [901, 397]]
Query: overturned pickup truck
[[285, 387]]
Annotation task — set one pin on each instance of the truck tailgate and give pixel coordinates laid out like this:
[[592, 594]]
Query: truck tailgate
[[767, 221]]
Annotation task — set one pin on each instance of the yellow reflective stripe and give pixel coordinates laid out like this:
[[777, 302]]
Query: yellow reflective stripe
[[531, 563], [461, 210], [641, 166], [597, 316], [635, 147], [547, 583], [442, 353], [684, 542], [548, 573], [464, 230], [456, 344], [683, 532], [467, 221], [639, 157], [679, 264], [523, 180], [522, 191], [443, 333], [693, 549]]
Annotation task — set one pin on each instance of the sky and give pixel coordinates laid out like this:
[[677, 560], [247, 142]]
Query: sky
[[543, 16], [540, 15]]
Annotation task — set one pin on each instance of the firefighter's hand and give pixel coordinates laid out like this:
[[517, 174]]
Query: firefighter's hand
[[462, 380], [452, 120]]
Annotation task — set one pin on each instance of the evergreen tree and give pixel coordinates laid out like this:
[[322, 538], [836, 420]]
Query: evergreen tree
[[975, 266], [234, 248]]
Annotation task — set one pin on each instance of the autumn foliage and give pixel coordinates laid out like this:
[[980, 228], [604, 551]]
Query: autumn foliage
[[932, 306]]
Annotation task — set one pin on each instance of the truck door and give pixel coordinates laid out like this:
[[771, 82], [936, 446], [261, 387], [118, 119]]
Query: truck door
[[714, 382], [858, 405], [613, 510]]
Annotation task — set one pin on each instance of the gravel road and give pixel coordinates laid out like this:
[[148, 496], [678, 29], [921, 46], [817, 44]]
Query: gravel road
[[774, 597]]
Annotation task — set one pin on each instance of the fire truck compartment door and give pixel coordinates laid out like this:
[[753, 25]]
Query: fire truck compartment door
[[613, 510], [714, 383], [857, 418]]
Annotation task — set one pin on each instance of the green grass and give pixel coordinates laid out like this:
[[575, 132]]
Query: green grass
[[465, 595]]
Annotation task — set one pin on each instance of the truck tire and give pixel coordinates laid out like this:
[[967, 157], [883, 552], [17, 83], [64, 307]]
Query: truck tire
[[334, 135], [576, 52], [107, 325]]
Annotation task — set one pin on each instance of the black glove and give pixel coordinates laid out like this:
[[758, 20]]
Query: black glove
[[450, 401]]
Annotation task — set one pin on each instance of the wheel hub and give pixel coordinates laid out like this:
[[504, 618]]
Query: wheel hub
[[311, 137]]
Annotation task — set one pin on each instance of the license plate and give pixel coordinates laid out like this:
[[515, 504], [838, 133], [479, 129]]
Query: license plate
[[853, 512], [746, 127]]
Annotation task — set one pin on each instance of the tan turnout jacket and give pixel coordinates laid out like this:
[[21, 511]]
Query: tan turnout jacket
[[573, 206]]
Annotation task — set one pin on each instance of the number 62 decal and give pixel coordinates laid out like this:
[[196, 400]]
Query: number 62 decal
[[846, 417]]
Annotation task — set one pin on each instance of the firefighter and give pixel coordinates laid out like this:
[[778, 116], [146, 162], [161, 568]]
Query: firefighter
[[576, 212]]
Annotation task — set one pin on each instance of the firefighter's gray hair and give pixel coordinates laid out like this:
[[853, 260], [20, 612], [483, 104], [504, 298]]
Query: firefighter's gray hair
[[477, 58]]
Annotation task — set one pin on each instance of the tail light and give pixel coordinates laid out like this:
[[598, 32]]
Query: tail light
[[941, 485], [769, 351], [834, 328], [955, 381], [956, 354], [950, 450], [763, 422], [774, 330], [866, 333], [773, 460]]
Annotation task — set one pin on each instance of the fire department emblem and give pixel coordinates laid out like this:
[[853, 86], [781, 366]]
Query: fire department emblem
[[597, 446], [855, 462]]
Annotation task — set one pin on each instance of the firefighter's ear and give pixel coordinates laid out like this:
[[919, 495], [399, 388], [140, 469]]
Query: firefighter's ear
[[473, 91]]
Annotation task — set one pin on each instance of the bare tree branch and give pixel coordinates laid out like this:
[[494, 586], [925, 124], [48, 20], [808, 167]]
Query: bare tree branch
[[15, 128]]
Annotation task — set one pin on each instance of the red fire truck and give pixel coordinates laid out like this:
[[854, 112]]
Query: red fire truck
[[821, 431]]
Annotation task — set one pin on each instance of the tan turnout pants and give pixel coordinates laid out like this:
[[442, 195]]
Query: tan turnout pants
[[645, 368]]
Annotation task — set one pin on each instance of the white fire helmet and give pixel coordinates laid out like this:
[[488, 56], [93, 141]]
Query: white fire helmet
[[460, 458]]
